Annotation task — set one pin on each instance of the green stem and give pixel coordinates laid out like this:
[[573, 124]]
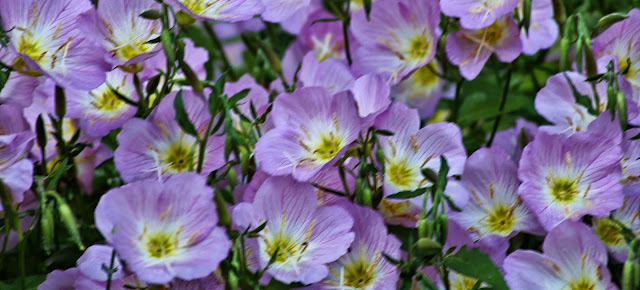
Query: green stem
[[345, 25], [203, 144], [110, 272], [503, 102], [457, 101], [218, 44]]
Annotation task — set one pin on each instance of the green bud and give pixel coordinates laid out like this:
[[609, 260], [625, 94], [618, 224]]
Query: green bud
[[444, 228], [47, 228], [559, 13], [366, 197], [165, 37], [184, 18], [191, 76], [61, 102], [232, 178], [151, 14], [622, 109], [423, 228], [152, 84], [605, 22], [627, 275], [425, 247], [41, 132], [69, 221], [223, 212]]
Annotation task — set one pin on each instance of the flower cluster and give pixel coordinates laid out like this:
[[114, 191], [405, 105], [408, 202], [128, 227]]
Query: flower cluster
[[320, 144]]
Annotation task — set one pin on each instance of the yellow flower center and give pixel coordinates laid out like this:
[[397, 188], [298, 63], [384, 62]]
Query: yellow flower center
[[135, 48], [424, 76], [609, 232], [359, 274], [501, 220], [583, 284], [327, 147], [286, 246], [564, 190], [400, 174], [160, 245], [106, 101], [178, 156], [463, 283], [31, 48], [419, 47]]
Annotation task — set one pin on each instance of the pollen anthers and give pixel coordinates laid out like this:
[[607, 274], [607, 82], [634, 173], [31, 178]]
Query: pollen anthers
[[488, 37], [609, 232], [177, 156], [201, 7], [360, 272], [501, 219], [105, 100]]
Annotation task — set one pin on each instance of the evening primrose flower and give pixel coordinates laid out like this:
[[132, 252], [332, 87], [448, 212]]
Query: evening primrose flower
[[100, 110], [569, 177], [543, 29], [479, 13], [421, 90], [401, 37], [470, 49], [159, 147], [609, 229], [91, 261], [312, 128], [164, 231], [16, 171], [116, 25], [305, 235], [572, 258], [46, 40], [621, 42], [221, 10], [364, 266], [495, 207], [409, 151]]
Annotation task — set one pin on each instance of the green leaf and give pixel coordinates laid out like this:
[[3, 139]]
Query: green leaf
[[151, 14], [54, 177], [182, 117], [40, 132], [238, 96], [581, 99], [476, 264], [408, 193], [367, 8], [605, 22]]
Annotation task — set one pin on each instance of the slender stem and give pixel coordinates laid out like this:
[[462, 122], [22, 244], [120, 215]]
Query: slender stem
[[203, 144], [142, 101], [503, 102], [110, 272], [345, 25], [457, 101], [218, 44]]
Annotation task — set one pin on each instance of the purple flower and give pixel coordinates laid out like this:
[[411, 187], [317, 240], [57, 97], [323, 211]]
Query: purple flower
[[45, 39], [117, 26], [211, 282], [513, 140], [543, 29], [573, 258], [332, 74], [91, 261], [409, 151], [233, 11], [364, 266], [16, 172], [325, 39], [495, 207], [312, 128], [477, 14], [60, 280], [620, 42], [306, 236], [569, 177], [401, 37], [100, 110], [280, 10], [164, 231], [610, 232], [557, 103], [470, 49], [421, 90], [19, 90], [159, 147], [630, 164]]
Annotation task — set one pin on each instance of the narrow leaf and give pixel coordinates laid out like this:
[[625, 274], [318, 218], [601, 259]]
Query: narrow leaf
[[182, 118]]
